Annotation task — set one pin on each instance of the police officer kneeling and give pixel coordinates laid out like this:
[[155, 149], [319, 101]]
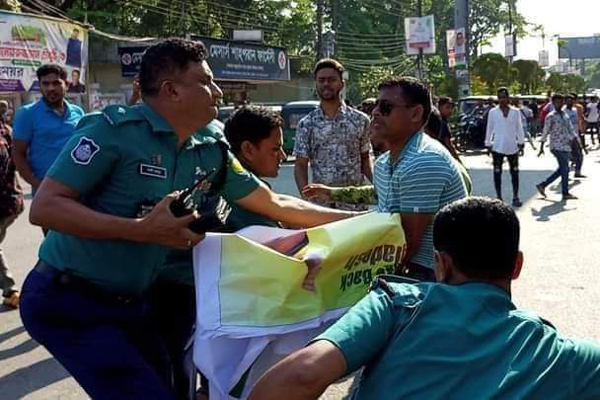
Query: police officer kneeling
[[106, 202], [460, 338]]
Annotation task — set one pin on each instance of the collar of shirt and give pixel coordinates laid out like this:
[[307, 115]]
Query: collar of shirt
[[342, 110], [48, 108], [412, 142], [158, 123]]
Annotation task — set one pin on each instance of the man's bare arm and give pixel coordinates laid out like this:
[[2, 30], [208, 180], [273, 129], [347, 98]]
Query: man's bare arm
[[414, 225], [301, 173], [290, 210], [302, 375], [56, 206], [367, 165], [19, 156]]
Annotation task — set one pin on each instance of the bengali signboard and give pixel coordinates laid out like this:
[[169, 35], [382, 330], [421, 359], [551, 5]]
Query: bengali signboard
[[231, 60], [131, 60], [420, 35], [27, 42]]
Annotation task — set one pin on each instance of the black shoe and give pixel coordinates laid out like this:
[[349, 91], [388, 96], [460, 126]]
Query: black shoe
[[569, 196], [516, 202], [580, 176], [541, 189]]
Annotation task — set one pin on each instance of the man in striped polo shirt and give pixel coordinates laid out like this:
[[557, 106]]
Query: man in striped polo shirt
[[417, 176]]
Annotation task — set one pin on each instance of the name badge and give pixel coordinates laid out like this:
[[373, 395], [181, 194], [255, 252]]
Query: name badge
[[154, 171]]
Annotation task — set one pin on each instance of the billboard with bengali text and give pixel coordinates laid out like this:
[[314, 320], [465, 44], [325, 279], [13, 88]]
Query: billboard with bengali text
[[27, 42]]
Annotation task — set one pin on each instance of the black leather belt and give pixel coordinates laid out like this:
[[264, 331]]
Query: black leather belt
[[66, 279]]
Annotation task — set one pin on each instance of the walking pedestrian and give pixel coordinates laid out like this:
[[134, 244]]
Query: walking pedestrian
[[11, 205], [333, 138], [592, 114], [505, 138], [558, 127], [576, 146]]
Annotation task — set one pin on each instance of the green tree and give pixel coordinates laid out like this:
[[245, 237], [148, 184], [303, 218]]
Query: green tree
[[493, 70], [566, 83], [529, 76]]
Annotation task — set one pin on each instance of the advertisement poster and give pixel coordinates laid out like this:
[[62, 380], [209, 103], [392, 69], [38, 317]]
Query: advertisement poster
[[27, 42], [456, 45], [420, 34]]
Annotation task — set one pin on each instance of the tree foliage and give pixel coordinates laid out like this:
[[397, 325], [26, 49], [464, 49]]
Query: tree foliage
[[494, 70], [369, 33], [529, 75]]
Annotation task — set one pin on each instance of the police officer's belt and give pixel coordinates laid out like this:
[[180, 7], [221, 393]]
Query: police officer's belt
[[68, 280]]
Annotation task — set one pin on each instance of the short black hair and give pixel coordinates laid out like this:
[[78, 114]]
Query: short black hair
[[48, 69], [330, 63], [166, 58], [413, 91], [252, 124], [557, 96], [434, 122], [503, 90], [444, 100], [481, 236]]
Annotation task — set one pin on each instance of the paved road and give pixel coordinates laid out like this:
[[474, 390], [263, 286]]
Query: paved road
[[560, 280]]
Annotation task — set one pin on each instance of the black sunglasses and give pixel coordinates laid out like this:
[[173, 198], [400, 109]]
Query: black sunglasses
[[386, 107]]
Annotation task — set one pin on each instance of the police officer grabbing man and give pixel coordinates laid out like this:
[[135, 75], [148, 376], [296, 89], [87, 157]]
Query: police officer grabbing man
[[85, 300]]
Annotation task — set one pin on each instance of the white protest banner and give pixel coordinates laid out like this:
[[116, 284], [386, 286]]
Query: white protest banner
[[252, 308]]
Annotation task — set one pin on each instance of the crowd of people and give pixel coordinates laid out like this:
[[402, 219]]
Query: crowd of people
[[112, 295]]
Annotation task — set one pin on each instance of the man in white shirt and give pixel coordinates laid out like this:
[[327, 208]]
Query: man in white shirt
[[505, 137], [591, 118]]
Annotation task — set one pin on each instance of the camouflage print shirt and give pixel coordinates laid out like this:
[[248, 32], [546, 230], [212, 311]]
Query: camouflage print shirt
[[334, 146]]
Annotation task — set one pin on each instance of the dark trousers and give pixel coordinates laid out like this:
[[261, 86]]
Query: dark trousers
[[513, 163], [173, 312], [109, 347], [7, 282], [563, 171], [577, 154]]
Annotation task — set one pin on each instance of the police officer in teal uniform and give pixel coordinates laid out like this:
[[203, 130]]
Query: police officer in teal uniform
[[106, 202]]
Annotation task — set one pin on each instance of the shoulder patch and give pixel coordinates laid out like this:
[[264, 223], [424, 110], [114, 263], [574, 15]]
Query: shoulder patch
[[85, 150], [237, 167]]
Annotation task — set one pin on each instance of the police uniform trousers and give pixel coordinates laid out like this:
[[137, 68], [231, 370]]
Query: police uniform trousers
[[105, 341]]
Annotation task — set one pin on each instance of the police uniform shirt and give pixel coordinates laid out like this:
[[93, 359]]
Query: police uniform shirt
[[120, 161], [437, 341]]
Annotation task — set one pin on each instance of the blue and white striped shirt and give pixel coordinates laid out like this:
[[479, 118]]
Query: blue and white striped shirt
[[423, 180]]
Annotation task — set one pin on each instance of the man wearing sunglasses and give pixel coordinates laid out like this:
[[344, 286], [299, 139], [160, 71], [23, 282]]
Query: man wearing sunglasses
[[417, 176]]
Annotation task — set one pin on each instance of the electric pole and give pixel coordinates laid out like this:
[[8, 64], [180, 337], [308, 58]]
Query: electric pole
[[461, 20], [319, 29], [420, 71]]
